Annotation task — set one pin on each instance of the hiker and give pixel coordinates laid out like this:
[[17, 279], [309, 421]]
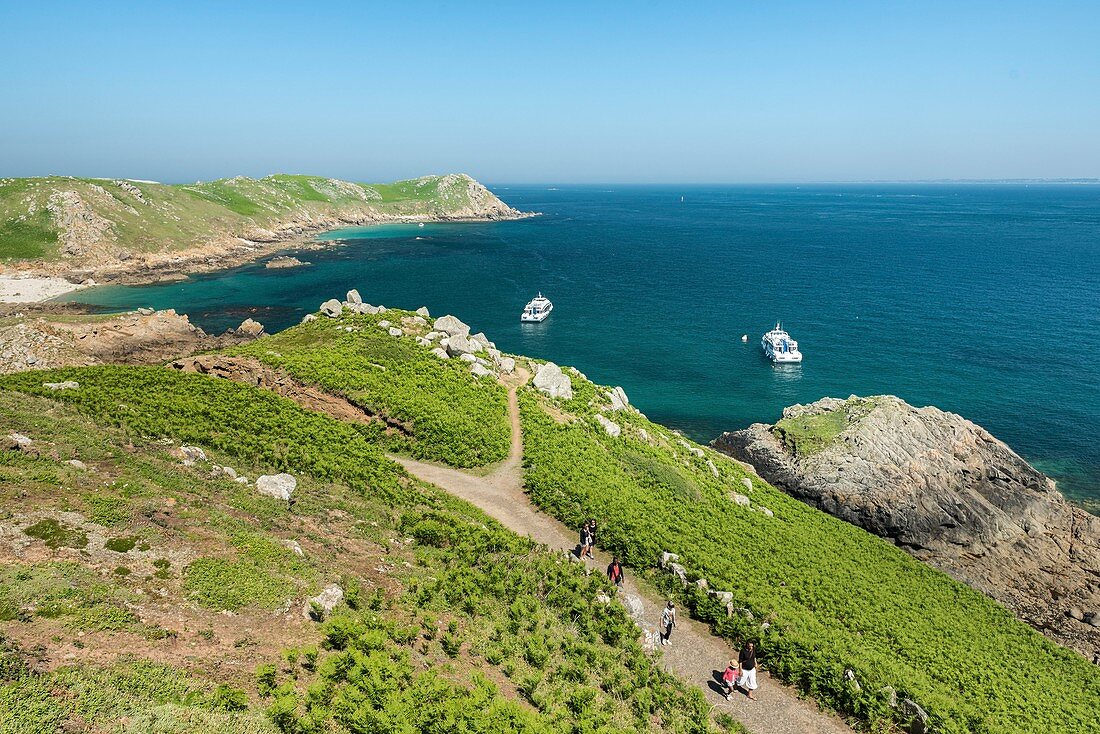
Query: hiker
[[729, 678], [615, 573], [591, 537], [586, 541], [747, 660], [668, 621]]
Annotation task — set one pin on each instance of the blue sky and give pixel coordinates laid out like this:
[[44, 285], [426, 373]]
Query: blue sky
[[563, 92]]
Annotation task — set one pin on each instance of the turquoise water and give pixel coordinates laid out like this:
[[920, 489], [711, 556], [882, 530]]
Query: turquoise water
[[982, 300]]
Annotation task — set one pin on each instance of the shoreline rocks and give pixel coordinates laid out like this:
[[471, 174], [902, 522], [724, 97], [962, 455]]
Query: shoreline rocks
[[946, 491]]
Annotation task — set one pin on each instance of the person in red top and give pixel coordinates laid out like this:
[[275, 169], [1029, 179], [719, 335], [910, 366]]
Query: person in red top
[[729, 678], [615, 573]]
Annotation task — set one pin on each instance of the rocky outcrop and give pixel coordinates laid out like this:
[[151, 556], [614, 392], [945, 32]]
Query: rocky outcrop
[[279, 486], [141, 337], [80, 230], [948, 492], [283, 261], [550, 380]]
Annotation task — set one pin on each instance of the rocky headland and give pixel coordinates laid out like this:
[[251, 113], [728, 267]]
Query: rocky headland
[[948, 492], [91, 231]]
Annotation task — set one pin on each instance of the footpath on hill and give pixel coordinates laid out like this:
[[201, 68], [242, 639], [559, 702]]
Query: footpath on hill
[[695, 655]]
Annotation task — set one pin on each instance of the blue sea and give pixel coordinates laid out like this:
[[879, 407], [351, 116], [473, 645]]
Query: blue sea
[[980, 299]]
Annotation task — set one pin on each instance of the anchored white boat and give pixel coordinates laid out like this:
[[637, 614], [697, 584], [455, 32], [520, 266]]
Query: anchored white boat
[[537, 309], [780, 347]]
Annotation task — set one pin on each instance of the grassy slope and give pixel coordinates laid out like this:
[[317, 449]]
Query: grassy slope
[[810, 434], [184, 215], [836, 596], [449, 619], [453, 416]]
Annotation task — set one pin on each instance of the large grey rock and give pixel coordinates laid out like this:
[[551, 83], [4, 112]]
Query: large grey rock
[[459, 344], [354, 297], [480, 370], [279, 486], [949, 493], [609, 425], [323, 604], [250, 328], [507, 365], [619, 401], [553, 382], [66, 385], [451, 326], [633, 606], [423, 312], [332, 308], [192, 453], [441, 353], [918, 716]]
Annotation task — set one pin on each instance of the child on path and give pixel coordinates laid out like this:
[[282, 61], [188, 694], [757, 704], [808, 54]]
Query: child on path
[[729, 678], [668, 621]]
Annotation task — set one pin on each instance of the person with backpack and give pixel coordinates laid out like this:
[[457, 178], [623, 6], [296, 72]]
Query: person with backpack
[[668, 621], [615, 573]]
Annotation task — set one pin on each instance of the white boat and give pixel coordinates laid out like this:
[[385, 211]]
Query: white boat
[[780, 347], [745, 338], [537, 309]]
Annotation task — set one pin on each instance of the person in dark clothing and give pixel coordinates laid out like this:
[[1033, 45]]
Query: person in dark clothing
[[615, 573], [591, 538], [747, 660], [586, 540], [668, 621]]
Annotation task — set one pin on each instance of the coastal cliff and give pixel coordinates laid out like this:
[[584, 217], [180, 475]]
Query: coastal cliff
[[85, 229], [949, 493]]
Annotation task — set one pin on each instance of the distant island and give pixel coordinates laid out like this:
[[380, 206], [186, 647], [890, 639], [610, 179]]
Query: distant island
[[58, 232]]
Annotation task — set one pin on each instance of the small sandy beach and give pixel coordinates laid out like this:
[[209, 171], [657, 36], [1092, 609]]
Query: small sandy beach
[[32, 289]]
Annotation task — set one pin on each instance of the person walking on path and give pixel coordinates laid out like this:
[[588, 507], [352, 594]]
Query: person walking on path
[[668, 621], [729, 678], [615, 573], [747, 660], [585, 541], [591, 538]]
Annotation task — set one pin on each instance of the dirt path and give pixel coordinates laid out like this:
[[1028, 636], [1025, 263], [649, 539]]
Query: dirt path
[[695, 654]]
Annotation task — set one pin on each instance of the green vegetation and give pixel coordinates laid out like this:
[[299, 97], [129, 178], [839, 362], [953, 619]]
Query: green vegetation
[[449, 622], [445, 413], [806, 435], [28, 238], [165, 700], [57, 535], [222, 584], [254, 425], [175, 217], [480, 593], [121, 545], [835, 597]]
